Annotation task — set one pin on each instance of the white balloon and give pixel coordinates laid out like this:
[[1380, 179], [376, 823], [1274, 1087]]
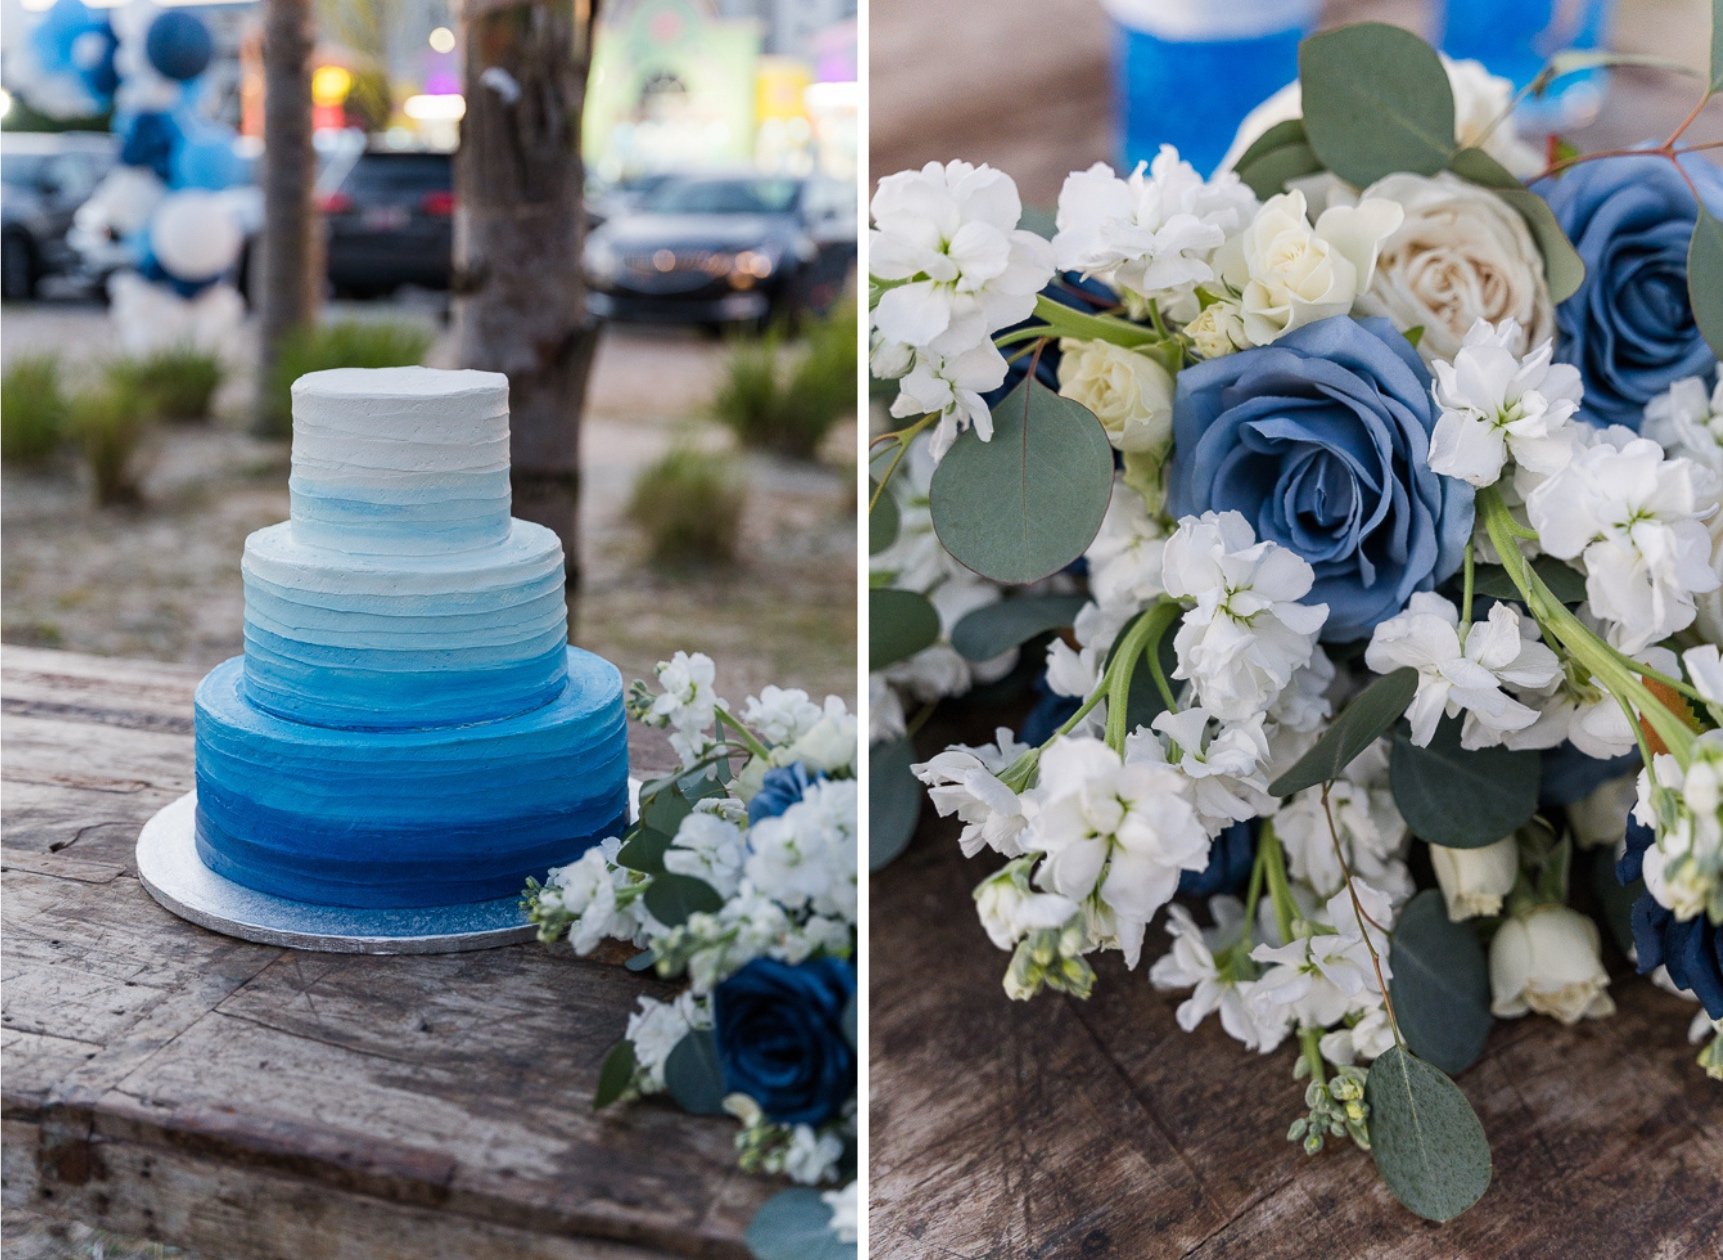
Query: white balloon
[[150, 317], [194, 237], [125, 199]]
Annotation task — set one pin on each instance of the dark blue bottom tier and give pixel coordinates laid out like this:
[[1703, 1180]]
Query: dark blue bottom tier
[[408, 818]]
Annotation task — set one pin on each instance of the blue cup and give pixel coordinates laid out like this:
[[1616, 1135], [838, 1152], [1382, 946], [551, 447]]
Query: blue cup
[[1514, 38], [1186, 72]]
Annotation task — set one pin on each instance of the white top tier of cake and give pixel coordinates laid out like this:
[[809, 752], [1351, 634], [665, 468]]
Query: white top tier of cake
[[400, 461]]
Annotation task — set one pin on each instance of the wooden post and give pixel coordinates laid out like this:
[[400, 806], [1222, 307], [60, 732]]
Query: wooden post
[[291, 277], [520, 305]]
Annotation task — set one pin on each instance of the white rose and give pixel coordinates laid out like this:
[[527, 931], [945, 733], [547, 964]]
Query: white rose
[[1600, 817], [1218, 330], [1461, 255], [1289, 273], [1130, 394], [1548, 962], [1474, 881]]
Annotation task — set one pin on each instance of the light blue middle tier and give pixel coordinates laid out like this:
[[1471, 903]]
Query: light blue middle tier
[[396, 642], [408, 818]]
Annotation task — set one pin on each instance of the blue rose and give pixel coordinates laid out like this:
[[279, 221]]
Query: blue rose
[[780, 789], [1629, 328], [781, 1038], [1692, 950], [1229, 863], [1321, 440]]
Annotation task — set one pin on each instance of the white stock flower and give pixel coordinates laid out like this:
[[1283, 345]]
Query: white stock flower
[[1130, 393], [1684, 868], [587, 889], [1125, 558], [1153, 233], [1687, 419], [657, 1028], [885, 715], [806, 856], [688, 705], [1010, 909], [1548, 962], [964, 781], [1288, 273], [1367, 1037], [1474, 881], [1634, 518], [1190, 964], [812, 1156], [1704, 666], [1497, 403], [846, 1212], [1314, 979], [780, 715], [710, 849], [1247, 634], [1115, 831], [1224, 770], [1455, 678], [945, 238], [1461, 255], [951, 387], [1372, 837], [828, 744]]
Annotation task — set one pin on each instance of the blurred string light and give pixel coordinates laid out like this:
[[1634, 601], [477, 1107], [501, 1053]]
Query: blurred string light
[[330, 85], [440, 107], [442, 40]]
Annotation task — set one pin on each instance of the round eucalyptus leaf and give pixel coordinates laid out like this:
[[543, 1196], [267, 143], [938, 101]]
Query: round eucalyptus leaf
[[672, 898], [883, 521], [1427, 1141], [1459, 798], [1027, 503], [1705, 277], [899, 624], [1440, 985], [796, 1224], [693, 1076], [996, 628], [615, 1074], [1376, 101], [1564, 269], [894, 798]]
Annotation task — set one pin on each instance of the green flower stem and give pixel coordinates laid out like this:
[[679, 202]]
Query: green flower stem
[[1310, 1039], [902, 438], [1062, 321], [1466, 593], [1623, 680], [750, 741], [1031, 333], [1143, 638], [1274, 865]]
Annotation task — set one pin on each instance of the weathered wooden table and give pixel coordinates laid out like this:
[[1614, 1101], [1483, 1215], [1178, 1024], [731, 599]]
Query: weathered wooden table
[[1059, 1128], [255, 1103]]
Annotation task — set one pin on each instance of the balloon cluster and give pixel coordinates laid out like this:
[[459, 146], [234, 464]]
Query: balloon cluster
[[167, 198]]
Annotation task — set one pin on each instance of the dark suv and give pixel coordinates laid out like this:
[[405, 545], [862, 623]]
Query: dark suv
[[391, 223], [46, 178]]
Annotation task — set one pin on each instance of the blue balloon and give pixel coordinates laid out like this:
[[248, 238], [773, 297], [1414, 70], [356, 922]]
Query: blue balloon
[[149, 140], [206, 158], [178, 44], [151, 269], [99, 73], [54, 35]]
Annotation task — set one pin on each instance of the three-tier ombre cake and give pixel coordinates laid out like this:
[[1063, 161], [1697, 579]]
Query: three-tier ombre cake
[[409, 725]]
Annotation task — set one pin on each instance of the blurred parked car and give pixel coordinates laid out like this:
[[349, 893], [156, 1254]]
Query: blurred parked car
[[605, 201], [391, 223], [724, 249], [46, 178]]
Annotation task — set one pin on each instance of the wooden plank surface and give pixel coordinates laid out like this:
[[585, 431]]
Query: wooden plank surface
[[248, 1101], [1059, 1128]]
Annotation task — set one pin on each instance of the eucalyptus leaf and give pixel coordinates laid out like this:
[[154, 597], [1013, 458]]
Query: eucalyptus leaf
[[615, 1074], [644, 851], [1427, 1141], [1027, 503], [1289, 131], [883, 520], [900, 624], [1376, 101], [1461, 798], [645, 960], [1705, 276], [1717, 45], [894, 801], [1565, 583], [796, 1224], [1564, 269], [996, 628], [672, 898], [1370, 715], [693, 1076], [1440, 985], [1269, 174]]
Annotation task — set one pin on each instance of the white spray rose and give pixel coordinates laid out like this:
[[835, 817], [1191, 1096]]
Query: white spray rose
[[1218, 330], [1474, 881], [1130, 394], [1548, 962]]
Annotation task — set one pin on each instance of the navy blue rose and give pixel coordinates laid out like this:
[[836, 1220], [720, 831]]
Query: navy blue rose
[[781, 1037], [780, 789], [1321, 440], [1629, 328], [1229, 862], [1692, 950]]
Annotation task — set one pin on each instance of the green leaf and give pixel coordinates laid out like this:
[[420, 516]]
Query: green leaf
[[1440, 985], [1278, 155], [693, 1076], [1376, 101], [796, 1224], [1614, 902], [1372, 712], [672, 898], [1576, 60], [894, 798], [1705, 276], [644, 851], [615, 1074], [997, 628], [900, 624], [1566, 584], [1564, 270], [883, 520], [1427, 1141], [1458, 798], [1717, 45], [645, 960], [1290, 131], [1027, 503]]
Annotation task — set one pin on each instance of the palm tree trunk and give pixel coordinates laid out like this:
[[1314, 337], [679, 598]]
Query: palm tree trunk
[[290, 282], [519, 301]]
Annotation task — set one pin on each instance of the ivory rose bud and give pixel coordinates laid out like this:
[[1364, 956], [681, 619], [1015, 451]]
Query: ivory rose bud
[[1474, 881], [1548, 961], [1130, 394], [1218, 330], [1462, 254], [1289, 272]]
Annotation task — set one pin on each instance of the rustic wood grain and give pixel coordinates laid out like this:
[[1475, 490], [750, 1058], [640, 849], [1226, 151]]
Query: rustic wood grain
[[253, 1102]]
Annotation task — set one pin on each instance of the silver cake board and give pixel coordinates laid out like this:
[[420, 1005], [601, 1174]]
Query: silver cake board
[[170, 868]]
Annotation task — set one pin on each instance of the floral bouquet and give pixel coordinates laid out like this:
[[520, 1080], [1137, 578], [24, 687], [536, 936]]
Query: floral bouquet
[[740, 877], [1365, 496]]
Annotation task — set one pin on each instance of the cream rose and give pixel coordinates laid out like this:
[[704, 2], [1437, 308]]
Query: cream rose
[[1548, 962], [1462, 254], [1474, 881], [1289, 273], [1129, 393]]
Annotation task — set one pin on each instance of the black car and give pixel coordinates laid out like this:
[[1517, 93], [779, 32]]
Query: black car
[[724, 249], [46, 178], [391, 223]]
